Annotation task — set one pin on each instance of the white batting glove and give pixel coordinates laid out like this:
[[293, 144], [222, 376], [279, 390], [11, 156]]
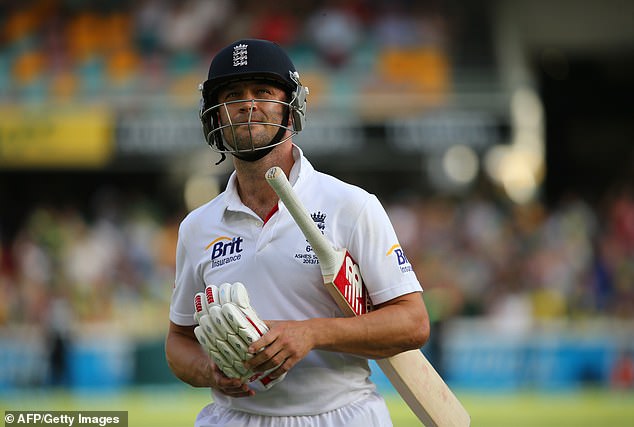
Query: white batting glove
[[227, 326], [219, 352]]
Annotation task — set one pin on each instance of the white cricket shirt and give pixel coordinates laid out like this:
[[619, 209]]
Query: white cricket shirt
[[224, 241]]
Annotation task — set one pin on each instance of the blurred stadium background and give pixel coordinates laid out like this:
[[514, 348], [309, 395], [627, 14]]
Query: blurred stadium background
[[498, 134]]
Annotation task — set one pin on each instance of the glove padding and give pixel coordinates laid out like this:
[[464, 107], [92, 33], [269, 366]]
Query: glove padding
[[227, 326]]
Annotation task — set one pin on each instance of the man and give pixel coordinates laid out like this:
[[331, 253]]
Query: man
[[253, 103]]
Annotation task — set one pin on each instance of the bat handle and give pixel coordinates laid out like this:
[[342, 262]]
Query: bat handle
[[328, 256]]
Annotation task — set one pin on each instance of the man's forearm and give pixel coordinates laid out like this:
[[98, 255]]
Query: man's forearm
[[187, 359], [382, 333]]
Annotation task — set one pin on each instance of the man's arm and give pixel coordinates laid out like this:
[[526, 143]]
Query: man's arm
[[393, 327], [185, 356], [189, 362]]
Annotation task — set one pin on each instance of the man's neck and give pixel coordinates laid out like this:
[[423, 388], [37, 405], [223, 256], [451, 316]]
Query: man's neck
[[253, 189]]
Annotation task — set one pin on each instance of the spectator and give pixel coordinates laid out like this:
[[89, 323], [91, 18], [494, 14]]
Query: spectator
[[335, 33]]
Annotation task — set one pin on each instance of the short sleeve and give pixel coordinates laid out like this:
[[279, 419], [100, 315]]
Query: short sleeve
[[385, 269]]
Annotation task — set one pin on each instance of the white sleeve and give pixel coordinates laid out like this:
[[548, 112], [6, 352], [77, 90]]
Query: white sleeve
[[186, 284], [386, 271]]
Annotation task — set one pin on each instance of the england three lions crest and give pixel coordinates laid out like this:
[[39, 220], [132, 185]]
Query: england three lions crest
[[320, 220], [240, 55]]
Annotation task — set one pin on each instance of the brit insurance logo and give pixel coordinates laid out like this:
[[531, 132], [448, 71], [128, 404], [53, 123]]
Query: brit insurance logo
[[225, 250], [401, 259]]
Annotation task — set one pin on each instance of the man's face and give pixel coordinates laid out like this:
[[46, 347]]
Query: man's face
[[247, 113]]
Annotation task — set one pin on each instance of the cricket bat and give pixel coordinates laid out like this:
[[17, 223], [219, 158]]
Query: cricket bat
[[411, 374]]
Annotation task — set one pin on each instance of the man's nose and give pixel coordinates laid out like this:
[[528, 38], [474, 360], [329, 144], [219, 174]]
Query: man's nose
[[249, 104]]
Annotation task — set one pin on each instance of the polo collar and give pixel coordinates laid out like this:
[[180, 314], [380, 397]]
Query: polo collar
[[300, 172]]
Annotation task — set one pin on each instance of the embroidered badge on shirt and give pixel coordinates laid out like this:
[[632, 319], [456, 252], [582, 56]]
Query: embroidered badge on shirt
[[240, 55], [308, 255], [320, 220]]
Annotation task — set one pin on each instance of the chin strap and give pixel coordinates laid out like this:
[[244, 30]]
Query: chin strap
[[222, 159], [253, 155]]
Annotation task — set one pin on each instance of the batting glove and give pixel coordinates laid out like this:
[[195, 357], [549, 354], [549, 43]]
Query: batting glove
[[227, 325]]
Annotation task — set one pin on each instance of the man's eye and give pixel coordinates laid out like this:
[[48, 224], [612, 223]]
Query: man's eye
[[264, 91]]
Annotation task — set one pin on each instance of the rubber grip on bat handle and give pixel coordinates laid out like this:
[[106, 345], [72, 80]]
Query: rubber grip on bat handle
[[322, 247]]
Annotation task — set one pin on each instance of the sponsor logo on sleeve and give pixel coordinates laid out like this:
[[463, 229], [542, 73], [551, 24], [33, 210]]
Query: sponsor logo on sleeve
[[403, 263]]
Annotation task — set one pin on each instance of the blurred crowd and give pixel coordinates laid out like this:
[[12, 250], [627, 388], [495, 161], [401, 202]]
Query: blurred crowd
[[522, 263], [56, 50], [475, 257], [115, 264]]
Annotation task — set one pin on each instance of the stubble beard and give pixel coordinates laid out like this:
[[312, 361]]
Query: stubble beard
[[248, 138]]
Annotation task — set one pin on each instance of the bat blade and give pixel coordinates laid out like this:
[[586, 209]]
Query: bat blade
[[411, 374], [424, 390]]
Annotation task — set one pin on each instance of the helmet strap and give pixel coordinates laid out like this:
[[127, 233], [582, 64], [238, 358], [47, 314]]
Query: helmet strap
[[222, 159]]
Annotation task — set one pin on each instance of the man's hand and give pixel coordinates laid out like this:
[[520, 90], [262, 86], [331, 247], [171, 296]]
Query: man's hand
[[233, 387], [286, 343], [191, 363]]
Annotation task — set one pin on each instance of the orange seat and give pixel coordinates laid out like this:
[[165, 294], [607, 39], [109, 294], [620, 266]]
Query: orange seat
[[424, 69]]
